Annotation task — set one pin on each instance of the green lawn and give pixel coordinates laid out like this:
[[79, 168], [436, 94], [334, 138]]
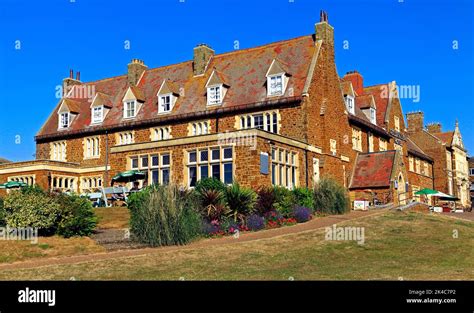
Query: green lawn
[[398, 245]]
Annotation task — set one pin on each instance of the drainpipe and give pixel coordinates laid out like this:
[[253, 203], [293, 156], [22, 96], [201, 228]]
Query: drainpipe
[[306, 161], [106, 176], [432, 176]]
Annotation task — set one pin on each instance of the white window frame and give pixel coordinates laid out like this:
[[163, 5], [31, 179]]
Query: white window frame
[[218, 95], [93, 116], [126, 108], [61, 124], [349, 104], [162, 103], [373, 116], [273, 90]]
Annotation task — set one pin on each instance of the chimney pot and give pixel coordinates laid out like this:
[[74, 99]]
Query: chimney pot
[[78, 75], [71, 73]]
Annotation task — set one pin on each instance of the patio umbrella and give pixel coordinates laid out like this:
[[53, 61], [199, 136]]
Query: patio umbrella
[[129, 176], [426, 191], [13, 184]]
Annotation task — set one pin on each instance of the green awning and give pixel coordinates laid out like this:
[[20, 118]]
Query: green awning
[[13, 184], [426, 191], [129, 176]]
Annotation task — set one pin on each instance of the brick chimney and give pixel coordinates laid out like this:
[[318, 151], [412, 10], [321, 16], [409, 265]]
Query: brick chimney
[[70, 81], [202, 56], [415, 121], [357, 81], [135, 70], [434, 127]]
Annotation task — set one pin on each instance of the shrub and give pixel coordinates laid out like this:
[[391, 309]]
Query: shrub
[[265, 200], [284, 201], [304, 197], [212, 204], [209, 184], [32, 209], [255, 222], [76, 216], [302, 214], [240, 202], [330, 197], [211, 228], [163, 215], [2, 213]]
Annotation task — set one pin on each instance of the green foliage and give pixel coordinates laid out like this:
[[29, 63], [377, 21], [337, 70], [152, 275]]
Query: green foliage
[[77, 216], [212, 204], [2, 213], [330, 197], [304, 197], [32, 209], [284, 201], [265, 200], [163, 215], [64, 215], [209, 184], [240, 201]]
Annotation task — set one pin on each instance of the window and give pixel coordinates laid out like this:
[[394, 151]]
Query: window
[[333, 146], [275, 85], [199, 128], [214, 95], [267, 121], [315, 171], [356, 139], [382, 144], [417, 166], [97, 114], [471, 170], [156, 166], [92, 147], [373, 119], [411, 163], [130, 109], [125, 138], [165, 103], [214, 162], [371, 142], [426, 168], [161, 133], [64, 183], [397, 123], [284, 168], [58, 151], [349, 104], [64, 120]]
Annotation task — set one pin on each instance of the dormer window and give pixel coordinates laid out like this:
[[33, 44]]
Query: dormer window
[[275, 85], [130, 109], [97, 114], [214, 95], [64, 120], [165, 103], [349, 103], [373, 116]]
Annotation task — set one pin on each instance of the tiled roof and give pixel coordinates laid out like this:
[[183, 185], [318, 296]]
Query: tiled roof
[[381, 100], [373, 170], [347, 88], [446, 137], [365, 101], [416, 150], [243, 70]]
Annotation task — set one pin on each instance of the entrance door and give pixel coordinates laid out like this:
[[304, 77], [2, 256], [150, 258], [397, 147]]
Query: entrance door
[[402, 195]]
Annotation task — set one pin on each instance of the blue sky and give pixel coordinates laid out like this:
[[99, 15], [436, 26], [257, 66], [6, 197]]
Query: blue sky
[[411, 42]]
